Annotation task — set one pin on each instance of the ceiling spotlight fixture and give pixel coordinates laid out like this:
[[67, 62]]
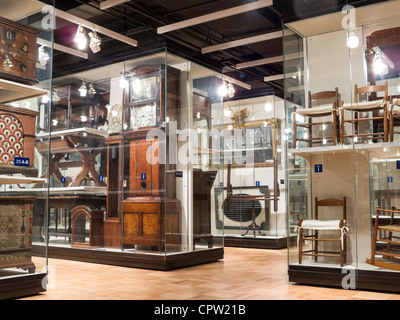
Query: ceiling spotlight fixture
[[43, 56], [268, 106], [92, 90], [223, 89], [80, 38], [83, 89], [95, 42], [231, 90], [352, 40], [379, 66], [7, 62], [54, 96], [123, 83]]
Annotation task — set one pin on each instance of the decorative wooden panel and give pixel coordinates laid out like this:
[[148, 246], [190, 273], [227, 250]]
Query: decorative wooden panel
[[17, 52]]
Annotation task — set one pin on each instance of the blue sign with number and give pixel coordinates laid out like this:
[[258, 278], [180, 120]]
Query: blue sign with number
[[22, 162], [179, 174], [62, 179], [101, 178], [144, 176], [318, 168], [390, 179], [397, 164], [257, 183]]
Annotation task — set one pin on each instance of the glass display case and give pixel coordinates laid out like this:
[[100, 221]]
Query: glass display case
[[133, 174], [253, 147], [341, 91], [25, 90]]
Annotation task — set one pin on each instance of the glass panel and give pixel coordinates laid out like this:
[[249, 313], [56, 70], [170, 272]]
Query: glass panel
[[194, 157], [320, 164], [252, 141], [358, 158], [25, 70]]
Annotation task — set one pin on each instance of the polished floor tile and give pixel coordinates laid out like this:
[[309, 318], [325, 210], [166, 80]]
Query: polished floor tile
[[243, 274]]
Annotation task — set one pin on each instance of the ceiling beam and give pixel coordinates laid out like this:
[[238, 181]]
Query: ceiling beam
[[111, 3], [242, 42], [215, 16], [259, 62], [273, 78], [99, 29]]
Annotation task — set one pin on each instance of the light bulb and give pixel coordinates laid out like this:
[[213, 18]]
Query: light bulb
[[227, 113], [123, 83], [95, 42], [45, 99], [80, 38], [352, 40], [83, 90], [231, 90], [223, 90], [268, 106], [92, 90]]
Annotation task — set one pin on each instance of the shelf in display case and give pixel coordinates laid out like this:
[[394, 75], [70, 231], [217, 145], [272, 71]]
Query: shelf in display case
[[12, 91], [380, 150], [20, 180]]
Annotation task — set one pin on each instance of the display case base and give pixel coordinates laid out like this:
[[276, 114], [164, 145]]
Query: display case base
[[383, 281], [255, 243], [160, 262], [21, 285]]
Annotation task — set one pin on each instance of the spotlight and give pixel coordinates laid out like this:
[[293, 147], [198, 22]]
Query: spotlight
[[83, 89], [223, 90], [123, 83], [95, 42], [43, 56], [352, 40], [54, 96], [231, 90], [92, 90], [268, 106], [80, 38]]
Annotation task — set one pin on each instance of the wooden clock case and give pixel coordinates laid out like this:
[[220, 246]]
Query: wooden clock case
[[151, 214]]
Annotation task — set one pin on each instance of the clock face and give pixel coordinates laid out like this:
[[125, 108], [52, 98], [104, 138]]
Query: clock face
[[145, 116]]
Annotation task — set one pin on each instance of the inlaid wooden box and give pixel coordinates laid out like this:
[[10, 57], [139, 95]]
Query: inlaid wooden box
[[18, 51], [16, 233]]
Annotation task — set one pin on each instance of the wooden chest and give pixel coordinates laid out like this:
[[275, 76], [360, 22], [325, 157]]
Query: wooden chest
[[16, 232], [17, 138], [18, 52]]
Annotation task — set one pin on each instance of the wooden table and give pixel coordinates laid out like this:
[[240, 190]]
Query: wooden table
[[87, 142]]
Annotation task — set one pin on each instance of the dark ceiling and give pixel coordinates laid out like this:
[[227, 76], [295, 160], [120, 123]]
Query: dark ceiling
[[139, 19]]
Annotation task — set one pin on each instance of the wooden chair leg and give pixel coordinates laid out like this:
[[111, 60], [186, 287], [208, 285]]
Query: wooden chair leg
[[391, 127], [385, 124], [341, 125], [334, 121], [341, 252], [294, 128], [374, 237], [316, 246], [300, 244]]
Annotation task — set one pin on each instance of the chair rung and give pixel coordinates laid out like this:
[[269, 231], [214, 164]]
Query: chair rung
[[388, 241], [331, 254], [387, 254], [312, 239]]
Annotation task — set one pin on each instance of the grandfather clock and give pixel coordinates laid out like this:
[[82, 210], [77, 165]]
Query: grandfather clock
[[151, 212]]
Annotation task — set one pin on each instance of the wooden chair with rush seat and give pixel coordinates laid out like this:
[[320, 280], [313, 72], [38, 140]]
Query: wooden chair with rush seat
[[370, 103], [320, 105], [319, 230]]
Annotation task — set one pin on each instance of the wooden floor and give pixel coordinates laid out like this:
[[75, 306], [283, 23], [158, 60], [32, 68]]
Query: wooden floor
[[246, 274]]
